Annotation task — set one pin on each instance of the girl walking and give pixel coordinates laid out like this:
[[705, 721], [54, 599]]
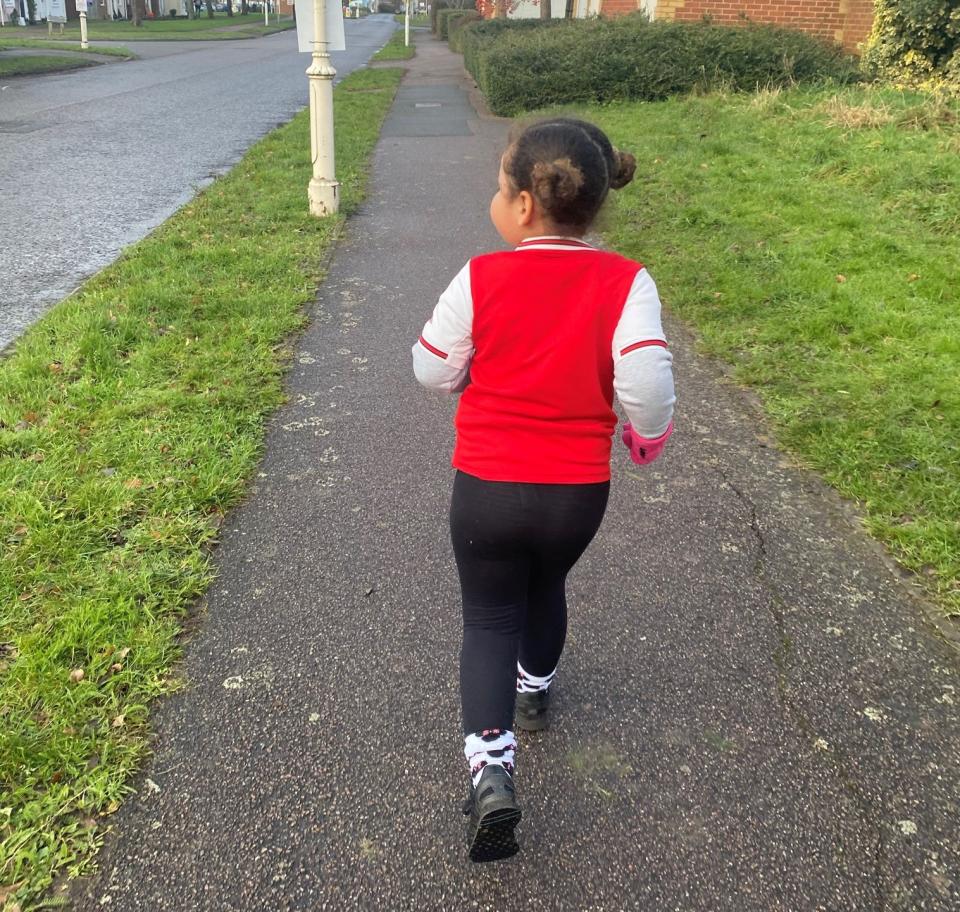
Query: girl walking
[[538, 339]]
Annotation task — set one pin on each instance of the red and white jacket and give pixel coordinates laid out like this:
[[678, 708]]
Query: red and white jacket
[[538, 339]]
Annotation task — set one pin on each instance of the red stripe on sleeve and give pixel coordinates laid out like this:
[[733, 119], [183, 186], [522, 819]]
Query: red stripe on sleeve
[[636, 345], [430, 348]]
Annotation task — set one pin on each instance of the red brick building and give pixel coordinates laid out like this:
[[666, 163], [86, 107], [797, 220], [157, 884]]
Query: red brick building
[[846, 22]]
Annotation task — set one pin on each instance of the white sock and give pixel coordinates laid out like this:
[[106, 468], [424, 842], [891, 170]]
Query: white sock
[[493, 746], [528, 683]]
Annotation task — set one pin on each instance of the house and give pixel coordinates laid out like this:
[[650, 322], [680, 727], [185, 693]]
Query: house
[[847, 22]]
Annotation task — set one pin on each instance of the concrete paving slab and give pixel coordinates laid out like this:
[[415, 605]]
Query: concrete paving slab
[[752, 713]]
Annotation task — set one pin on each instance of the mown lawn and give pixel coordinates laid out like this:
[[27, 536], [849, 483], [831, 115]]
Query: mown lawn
[[395, 49], [131, 417], [48, 63], [220, 27], [7, 42], [810, 237]]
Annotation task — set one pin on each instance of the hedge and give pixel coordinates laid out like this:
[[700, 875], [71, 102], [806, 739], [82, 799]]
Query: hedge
[[916, 43], [437, 6], [524, 65], [455, 23], [451, 14]]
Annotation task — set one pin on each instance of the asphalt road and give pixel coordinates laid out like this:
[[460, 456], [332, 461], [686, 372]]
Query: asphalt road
[[93, 160], [752, 714]]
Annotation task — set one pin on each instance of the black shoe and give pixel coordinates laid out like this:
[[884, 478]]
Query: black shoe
[[494, 813], [532, 709]]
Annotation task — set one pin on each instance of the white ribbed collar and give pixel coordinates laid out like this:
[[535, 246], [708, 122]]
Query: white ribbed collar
[[554, 242]]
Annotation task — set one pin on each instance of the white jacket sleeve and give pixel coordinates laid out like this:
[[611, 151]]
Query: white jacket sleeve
[[442, 354], [642, 364]]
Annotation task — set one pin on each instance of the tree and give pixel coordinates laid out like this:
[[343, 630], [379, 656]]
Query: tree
[[230, 8], [136, 16], [545, 10], [209, 9]]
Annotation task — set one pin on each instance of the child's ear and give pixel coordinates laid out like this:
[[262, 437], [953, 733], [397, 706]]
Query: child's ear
[[526, 208]]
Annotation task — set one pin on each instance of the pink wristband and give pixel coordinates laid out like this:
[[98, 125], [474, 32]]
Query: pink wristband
[[643, 450]]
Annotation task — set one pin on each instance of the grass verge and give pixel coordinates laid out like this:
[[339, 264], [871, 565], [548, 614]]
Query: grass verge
[[417, 20], [395, 49], [29, 66], [810, 237], [221, 28], [131, 417], [6, 42]]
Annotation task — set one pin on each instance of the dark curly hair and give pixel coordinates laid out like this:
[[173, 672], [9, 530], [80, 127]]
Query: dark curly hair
[[568, 166]]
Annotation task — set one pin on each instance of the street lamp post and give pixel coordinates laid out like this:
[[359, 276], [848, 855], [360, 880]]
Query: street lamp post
[[406, 24], [323, 189]]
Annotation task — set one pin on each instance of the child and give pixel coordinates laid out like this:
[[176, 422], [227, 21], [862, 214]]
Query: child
[[537, 339]]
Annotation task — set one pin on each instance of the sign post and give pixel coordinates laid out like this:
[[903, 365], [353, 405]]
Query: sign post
[[82, 10], [320, 24], [56, 12]]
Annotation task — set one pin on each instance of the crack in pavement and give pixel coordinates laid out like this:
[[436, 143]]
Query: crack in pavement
[[782, 660]]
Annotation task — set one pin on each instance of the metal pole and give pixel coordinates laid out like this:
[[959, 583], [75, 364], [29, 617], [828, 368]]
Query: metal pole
[[266, 12], [406, 25], [323, 190]]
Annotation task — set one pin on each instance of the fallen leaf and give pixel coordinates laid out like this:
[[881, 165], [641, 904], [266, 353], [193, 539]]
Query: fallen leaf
[[134, 483], [77, 675], [119, 721], [55, 367], [841, 279], [123, 653], [912, 277]]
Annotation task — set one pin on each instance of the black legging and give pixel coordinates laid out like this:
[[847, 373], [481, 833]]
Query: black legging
[[514, 544]]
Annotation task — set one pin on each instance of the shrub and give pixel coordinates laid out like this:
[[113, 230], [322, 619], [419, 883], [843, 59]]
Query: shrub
[[447, 16], [455, 26], [438, 5], [916, 42], [523, 67]]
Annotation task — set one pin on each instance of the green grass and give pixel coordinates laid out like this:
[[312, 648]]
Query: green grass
[[131, 418], [395, 49], [6, 42], [28, 66], [222, 27], [811, 239], [417, 20]]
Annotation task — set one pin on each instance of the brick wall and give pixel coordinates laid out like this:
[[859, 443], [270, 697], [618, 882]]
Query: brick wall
[[618, 7], [847, 22]]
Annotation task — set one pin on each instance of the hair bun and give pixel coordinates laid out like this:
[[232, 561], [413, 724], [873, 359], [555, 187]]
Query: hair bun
[[556, 182], [624, 171]]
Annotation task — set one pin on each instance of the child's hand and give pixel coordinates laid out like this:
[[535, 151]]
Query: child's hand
[[643, 450]]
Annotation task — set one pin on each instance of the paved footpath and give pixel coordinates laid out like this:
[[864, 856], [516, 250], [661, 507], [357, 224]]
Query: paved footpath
[[752, 713]]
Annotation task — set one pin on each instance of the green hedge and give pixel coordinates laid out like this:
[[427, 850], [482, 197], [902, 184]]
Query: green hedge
[[916, 42], [455, 24], [525, 65], [439, 5], [451, 14]]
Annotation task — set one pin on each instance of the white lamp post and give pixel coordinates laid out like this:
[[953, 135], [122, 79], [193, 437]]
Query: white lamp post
[[323, 189], [406, 24]]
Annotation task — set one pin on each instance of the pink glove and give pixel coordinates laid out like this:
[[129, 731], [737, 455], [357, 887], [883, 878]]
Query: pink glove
[[643, 450]]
